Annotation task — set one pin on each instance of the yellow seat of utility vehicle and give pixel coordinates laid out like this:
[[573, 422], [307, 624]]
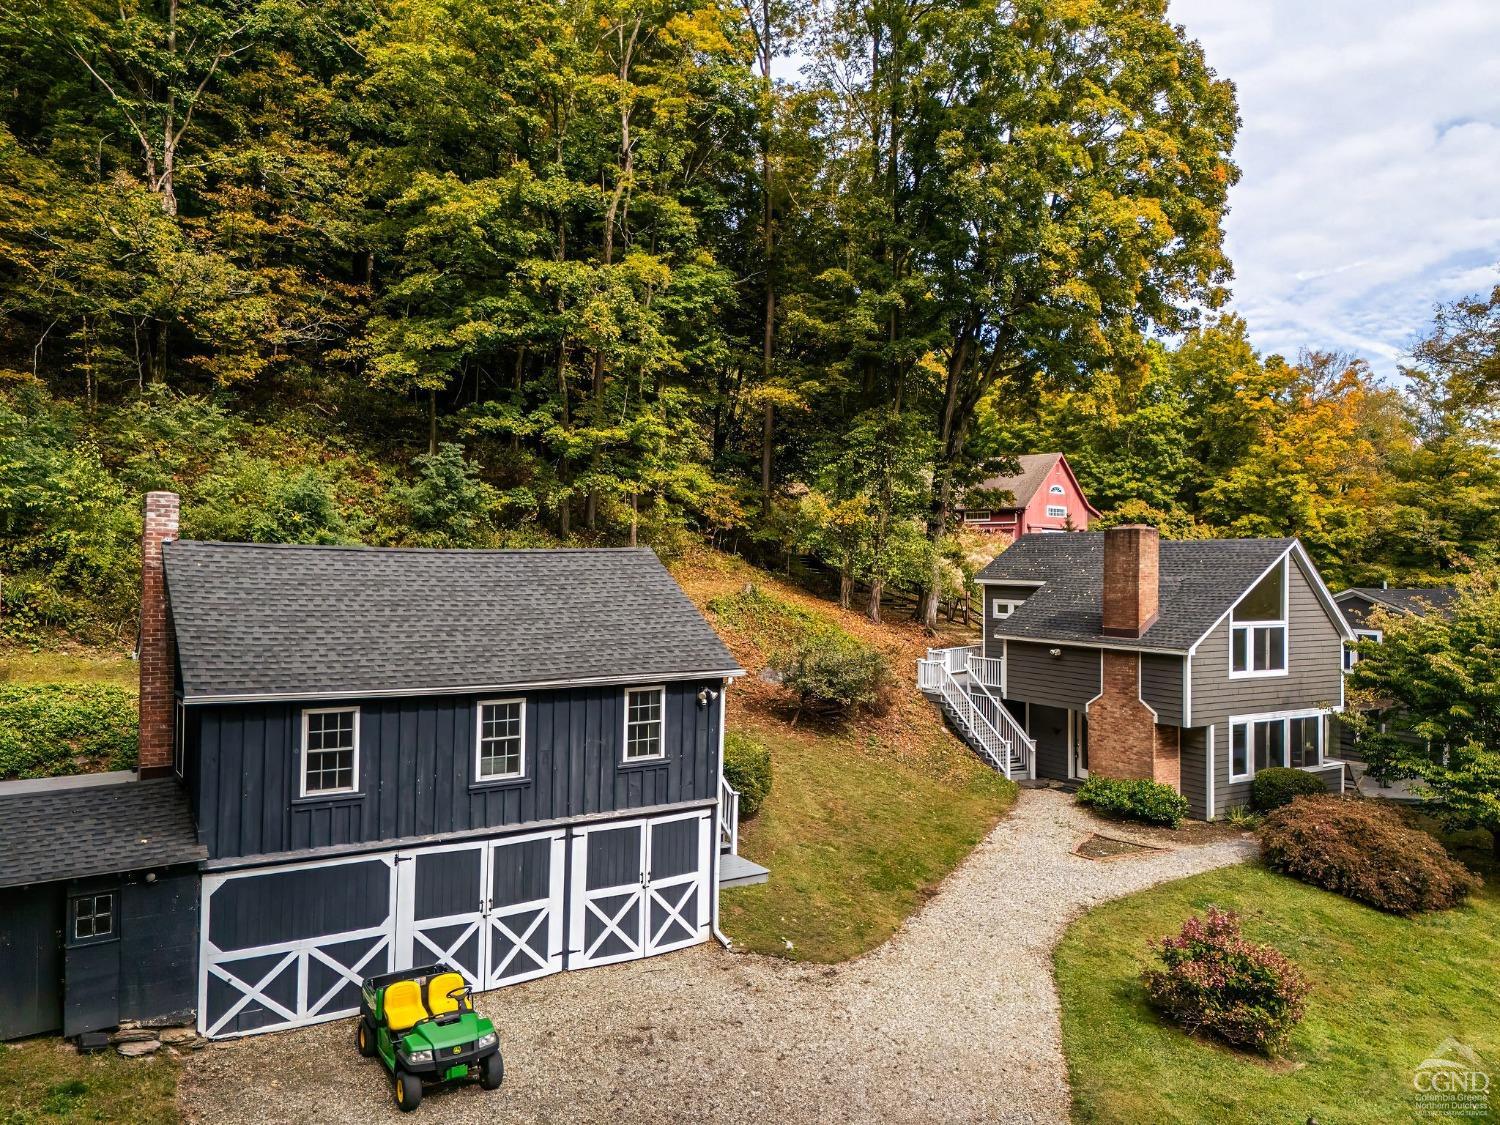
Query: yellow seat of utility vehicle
[[403, 1005], [438, 1000]]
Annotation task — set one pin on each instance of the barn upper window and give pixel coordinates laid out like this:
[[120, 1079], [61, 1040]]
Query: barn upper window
[[645, 723], [330, 751], [502, 739], [1058, 490]]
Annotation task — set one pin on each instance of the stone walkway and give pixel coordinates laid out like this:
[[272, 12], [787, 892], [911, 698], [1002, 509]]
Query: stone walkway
[[955, 1019]]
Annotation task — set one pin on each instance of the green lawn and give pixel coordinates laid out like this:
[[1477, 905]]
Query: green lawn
[[1386, 992], [46, 1081], [854, 839], [94, 666]]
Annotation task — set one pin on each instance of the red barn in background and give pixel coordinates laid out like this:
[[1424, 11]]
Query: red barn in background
[[1047, 498]]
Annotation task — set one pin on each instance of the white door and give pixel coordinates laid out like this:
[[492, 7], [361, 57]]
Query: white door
[[440, 909], [1078, 745], [677, 882], [639, 888], [524, 908]]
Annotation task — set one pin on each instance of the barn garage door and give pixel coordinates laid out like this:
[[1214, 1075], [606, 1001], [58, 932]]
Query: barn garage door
[[639, 888], [290, 946]]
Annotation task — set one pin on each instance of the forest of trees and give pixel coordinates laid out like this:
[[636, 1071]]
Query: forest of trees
[[509, 272]]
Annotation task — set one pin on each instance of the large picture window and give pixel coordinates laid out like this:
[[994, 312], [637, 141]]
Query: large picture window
[[501, 740], [1274, 740], [330, 751], [1257, 645], [645, 723]]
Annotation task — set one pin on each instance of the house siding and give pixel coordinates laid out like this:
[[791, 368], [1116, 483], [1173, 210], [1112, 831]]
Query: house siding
[[1314, 678], [1069, 680], [1194, 760], [416, 763], [994, 647], [1161, 686]]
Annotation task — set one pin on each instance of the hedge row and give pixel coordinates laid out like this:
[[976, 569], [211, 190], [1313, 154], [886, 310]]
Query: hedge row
[[47, 730]]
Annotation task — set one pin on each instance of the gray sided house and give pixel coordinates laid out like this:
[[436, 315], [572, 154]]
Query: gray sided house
[[368, 759], [1192, 663]]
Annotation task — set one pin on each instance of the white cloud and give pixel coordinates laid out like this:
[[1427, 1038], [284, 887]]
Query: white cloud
[[1370, 159]]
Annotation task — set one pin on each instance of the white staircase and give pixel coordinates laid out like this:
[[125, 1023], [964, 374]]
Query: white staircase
[[960, 680]]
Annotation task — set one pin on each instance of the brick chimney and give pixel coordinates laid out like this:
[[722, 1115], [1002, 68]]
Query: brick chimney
[[1131, 579], [155, 651]]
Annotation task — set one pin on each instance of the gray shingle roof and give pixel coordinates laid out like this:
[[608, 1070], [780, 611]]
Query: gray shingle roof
[[300, 621], [98, 829], [1200, 580], [1403, 600]]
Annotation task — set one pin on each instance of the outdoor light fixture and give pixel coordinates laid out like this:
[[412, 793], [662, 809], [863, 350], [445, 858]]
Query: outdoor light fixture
[[1055, 653], [707, 696]]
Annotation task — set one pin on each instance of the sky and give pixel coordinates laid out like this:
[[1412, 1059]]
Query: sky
[[1369, 152]]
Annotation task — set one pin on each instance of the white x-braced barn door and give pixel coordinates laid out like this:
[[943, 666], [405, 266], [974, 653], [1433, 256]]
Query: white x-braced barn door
[[440, 912], [639, 888], [524, 908]]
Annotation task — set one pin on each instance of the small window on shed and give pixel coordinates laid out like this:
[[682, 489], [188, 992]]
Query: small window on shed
[[93, 917], [502, 739], [330, 751]]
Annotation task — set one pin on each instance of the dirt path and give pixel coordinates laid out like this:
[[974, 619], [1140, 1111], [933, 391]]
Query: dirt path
[[954, 1020]]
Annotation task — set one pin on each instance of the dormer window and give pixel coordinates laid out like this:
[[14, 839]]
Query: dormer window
[[1258, 627]]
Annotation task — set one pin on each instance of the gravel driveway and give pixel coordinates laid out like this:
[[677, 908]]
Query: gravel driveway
[[954, 1019]]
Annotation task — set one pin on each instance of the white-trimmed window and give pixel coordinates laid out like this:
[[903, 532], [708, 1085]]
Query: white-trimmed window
[[1351, 657], [330, 751], [645, 723], [93, 917], [981, 515], [1001, 608], [1259, 741], [500, 742], [1057, 512], [1258, 633], [1057, 490]]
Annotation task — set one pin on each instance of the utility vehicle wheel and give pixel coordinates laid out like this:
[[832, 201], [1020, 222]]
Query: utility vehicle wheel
[[407, 1090], [492, 1071], [366, 1039]]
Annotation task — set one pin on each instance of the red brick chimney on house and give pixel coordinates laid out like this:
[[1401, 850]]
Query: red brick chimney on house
[[1132, 582], [158, 669]]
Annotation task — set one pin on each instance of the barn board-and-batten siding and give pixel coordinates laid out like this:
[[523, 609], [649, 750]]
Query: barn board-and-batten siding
[[1314, 678], [1069, 679], [416, 764]]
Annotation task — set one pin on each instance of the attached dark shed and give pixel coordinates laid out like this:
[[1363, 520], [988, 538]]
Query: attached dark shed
[[98, 903]]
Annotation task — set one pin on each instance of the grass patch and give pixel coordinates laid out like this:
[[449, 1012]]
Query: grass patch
[[773, 623], [45, 1080], [855, 839], [93, 666], [1386, 992]]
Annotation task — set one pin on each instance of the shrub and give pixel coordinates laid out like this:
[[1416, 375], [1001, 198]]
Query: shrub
[[1148, 801], [47, 730], [832, 672], [1366, 852], [1214, 981], [747, 767], [1277, 785], [1243, 817]]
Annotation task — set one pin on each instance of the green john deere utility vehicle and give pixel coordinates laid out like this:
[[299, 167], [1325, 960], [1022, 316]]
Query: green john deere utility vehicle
[[422, 1025]]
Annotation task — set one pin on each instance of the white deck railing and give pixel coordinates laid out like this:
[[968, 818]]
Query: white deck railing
[[729, 818], [985, 720]]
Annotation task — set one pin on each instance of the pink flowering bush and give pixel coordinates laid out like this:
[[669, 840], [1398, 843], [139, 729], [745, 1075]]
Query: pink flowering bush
[[1214, 981]]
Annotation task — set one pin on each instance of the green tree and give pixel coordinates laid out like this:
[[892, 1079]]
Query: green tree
[[1436, 679]]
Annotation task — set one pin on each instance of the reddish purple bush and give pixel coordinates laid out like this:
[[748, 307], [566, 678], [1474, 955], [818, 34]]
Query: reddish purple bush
[[1214, 981]]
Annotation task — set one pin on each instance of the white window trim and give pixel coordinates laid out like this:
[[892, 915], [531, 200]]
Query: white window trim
[[979, 515], [1351, 657], [1057, 511], [1286, 718], [661, 725], [1009, 604], [479, 775], [302, 754], [1251, 626], [1057, 490]]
